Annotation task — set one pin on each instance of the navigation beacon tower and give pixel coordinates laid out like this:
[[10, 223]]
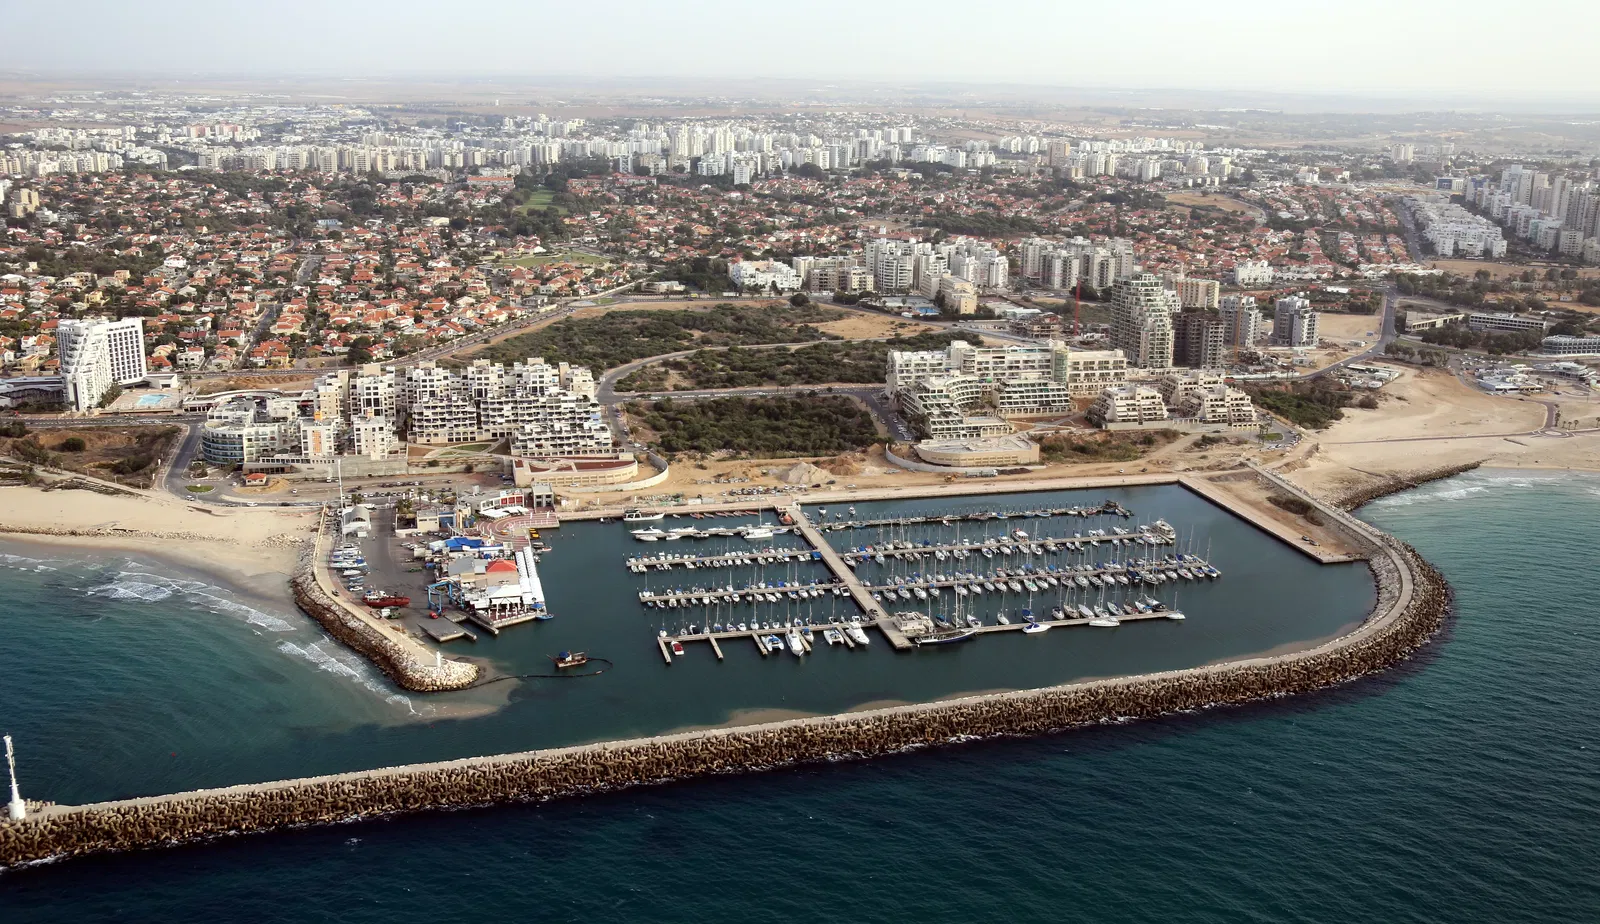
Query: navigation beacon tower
[[15, 808]]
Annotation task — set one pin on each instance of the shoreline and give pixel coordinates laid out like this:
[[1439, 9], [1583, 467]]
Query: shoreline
[[1411, 604]]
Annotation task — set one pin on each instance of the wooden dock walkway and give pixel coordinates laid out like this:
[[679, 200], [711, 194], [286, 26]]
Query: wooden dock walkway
[[887, 627], [874, 612]]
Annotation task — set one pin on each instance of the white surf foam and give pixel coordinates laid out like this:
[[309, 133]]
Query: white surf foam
[[328, 656]]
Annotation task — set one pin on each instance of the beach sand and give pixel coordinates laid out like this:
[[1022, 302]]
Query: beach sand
[[255, 547]]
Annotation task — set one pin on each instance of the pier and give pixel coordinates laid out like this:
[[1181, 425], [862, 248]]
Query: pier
[[888, 627], [874, 611], [1109, 508]]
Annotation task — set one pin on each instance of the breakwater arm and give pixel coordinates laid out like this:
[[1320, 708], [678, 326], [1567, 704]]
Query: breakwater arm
[[407, 662], [1412, 601]]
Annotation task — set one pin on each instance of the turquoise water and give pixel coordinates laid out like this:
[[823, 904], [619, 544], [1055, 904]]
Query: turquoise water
[[1461, 787]]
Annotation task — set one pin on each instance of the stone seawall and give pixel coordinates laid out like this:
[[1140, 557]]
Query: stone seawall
[[1412, 601], [406, 665]]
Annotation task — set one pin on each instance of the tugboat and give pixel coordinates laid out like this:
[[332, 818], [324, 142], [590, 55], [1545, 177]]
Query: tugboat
[[571, 659]]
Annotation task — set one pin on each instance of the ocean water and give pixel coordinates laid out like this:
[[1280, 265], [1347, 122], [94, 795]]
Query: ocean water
[[1464, 786]]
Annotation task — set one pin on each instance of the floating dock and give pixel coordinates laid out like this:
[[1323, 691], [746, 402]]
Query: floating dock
[[443, 630]]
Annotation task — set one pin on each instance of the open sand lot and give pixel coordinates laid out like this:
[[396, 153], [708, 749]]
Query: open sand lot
[[1505, 270], [1429, 419]]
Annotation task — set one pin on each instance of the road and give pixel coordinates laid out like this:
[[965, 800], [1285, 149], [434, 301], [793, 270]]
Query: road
[[1387, 334]]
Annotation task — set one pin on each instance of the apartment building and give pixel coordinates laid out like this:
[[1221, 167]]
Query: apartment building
[[545, 411], [1141, 320], [1252, 273], [1502, 322], [1241, 322], [1199, 339], [1198, 293], [1294, 322], [1128, 405], [946, 407], [1088, 371], [97, 353], [765, 276]]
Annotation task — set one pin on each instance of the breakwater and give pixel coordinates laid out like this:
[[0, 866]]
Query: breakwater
[[404, 662], [1412, 600], [1394, 484]]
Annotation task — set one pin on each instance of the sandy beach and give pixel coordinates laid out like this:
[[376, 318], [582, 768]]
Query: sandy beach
[[255, 547], [1430, 419]]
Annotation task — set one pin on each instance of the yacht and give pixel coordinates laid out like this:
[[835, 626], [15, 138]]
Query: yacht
[[758, 532], [639, 516], [856, 633], [1174, 614], [833, 637], [1105, 622], [650, 534], [1034, 628]]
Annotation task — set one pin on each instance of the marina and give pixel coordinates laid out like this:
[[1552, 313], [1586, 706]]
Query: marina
[[1032, 581]]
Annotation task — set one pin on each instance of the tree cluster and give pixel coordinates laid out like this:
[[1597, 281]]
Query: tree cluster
[[812, 425], [819, 364], [622, 337]]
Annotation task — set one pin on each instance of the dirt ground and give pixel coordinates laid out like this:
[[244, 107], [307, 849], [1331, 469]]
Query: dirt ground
[[1503, 270], [104, 446], [1226, 203], [860, 326], [241, 382], [1429, 419]]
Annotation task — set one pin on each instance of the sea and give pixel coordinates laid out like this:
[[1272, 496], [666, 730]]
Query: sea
[[1462, 786]]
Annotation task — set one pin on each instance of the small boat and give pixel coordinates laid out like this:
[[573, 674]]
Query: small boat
[[833, 637], [947, 637], [677, 647], [774, 643], [570, 659]]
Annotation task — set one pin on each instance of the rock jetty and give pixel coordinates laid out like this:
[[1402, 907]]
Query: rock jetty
[[407, 665]]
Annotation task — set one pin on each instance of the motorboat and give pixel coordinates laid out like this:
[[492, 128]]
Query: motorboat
[[639, 516], [1034, 628], [796, 647]]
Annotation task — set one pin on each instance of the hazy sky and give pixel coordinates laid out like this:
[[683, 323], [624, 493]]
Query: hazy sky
[[1384, 47]]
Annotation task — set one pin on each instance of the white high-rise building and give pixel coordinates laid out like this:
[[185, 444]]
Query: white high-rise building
[[1141, 320], [1241, 322], [1295, 323], [97, 353]]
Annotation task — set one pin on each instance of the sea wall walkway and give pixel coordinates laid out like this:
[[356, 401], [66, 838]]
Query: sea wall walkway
[[1412, 601]]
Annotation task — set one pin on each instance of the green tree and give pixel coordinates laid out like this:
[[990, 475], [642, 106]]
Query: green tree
[[73, 444]]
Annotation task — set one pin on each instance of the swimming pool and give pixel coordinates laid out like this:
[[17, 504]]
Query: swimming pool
[[151, 400]]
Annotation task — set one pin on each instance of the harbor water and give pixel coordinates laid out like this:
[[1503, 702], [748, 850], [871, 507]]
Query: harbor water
[[1462, 786]]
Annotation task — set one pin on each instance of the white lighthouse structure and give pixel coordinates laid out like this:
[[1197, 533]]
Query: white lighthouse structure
[[15, 810]]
